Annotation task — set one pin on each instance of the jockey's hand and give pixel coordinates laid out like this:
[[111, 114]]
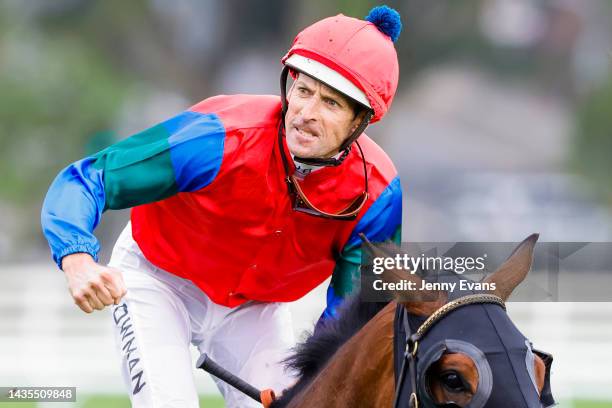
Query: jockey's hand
[[92, 286]]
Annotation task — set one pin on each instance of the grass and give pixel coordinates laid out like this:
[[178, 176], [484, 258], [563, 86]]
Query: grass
[[587, 404], [124, 402], [105, 401], [114, 401]]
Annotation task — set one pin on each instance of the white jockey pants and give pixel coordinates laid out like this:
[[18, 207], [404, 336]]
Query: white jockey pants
[[162, 314]]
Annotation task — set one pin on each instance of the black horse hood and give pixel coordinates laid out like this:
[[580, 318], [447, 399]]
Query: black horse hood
[[503, 356]]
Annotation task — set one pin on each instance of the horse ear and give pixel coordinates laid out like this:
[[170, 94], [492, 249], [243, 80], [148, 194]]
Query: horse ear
[[514, 270], [416, 302]]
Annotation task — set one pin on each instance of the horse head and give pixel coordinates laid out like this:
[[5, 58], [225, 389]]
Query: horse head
[[454, 352], [464, 351]]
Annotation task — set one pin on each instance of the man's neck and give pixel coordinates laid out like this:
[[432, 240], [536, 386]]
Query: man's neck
[[302, 169]]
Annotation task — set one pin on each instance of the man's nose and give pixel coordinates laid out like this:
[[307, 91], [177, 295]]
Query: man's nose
[[310, 109]]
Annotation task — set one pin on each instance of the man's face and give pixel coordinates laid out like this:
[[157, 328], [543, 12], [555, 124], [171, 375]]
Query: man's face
[[318, 118]]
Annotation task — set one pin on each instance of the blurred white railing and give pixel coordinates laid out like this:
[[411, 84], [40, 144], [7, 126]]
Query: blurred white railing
[[45, 340]]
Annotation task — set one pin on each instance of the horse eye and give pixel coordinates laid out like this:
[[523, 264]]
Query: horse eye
[[453, 381]]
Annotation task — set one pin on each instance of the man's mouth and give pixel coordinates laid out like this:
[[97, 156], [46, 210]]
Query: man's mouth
[[305, 135]]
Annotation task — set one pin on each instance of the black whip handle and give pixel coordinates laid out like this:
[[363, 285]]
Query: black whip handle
[[208, 365]]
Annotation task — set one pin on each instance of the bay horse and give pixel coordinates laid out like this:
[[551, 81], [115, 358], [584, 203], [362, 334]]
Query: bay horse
[[350, 361]]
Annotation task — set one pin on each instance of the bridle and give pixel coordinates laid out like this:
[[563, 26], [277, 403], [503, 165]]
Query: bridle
[[409, 363]]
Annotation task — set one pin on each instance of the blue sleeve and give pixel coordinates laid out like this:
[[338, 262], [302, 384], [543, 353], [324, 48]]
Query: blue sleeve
[[382, 222], [72, 209], [181, 154]]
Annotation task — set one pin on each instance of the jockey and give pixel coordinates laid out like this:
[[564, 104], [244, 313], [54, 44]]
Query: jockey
[[240, 204]]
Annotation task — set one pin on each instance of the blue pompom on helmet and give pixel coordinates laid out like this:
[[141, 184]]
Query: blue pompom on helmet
[[387, 20], [356, 57]]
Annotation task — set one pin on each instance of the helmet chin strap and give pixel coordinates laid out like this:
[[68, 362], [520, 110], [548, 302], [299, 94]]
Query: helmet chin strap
[[344, 148]]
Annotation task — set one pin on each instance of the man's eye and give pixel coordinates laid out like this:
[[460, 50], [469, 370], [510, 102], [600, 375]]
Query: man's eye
[[302, 90], [331, 102], [452, 381]]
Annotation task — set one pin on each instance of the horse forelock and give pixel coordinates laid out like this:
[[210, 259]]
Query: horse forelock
[[312, 355]]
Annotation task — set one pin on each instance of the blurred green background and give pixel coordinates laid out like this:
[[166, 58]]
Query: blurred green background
[[77, 75]]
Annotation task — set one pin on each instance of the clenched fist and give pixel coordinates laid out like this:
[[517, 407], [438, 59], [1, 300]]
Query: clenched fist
[[92, 286]]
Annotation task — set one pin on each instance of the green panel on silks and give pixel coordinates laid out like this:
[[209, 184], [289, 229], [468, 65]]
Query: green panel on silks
[[138, 169]]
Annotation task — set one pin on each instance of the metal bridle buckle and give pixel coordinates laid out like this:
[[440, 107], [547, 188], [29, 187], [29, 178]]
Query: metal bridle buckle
[[415, 347], [413, 402]]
